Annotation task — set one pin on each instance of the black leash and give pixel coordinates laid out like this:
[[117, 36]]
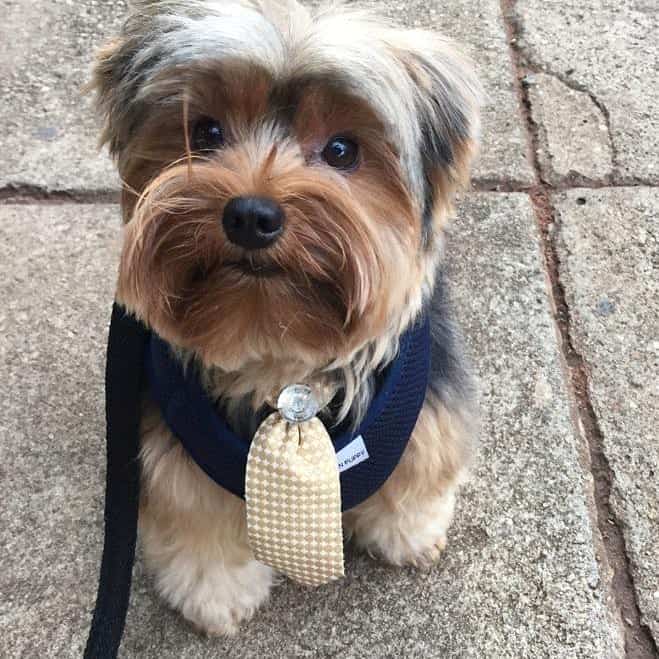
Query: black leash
[[123, 391]]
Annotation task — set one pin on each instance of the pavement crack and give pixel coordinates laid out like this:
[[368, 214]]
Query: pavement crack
[[33, 194], [574, 85], [485, 184], [639, 643], [526, 64], [638, 640]]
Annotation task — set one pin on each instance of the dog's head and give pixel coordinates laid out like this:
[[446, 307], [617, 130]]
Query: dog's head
[[287, 174]]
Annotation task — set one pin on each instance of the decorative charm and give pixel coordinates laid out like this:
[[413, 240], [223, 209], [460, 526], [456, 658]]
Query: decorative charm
[[297, 403]]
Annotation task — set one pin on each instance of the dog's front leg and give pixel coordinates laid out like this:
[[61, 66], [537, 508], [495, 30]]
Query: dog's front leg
[[194, 538], [406, 521]]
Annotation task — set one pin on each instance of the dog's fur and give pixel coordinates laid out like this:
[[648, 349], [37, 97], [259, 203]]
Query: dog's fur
[[358, 261]]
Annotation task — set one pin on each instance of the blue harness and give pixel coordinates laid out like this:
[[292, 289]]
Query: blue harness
[[136, 360], [191, 415]]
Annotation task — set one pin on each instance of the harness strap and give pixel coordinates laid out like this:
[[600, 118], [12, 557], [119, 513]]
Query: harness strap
[[384, 431], [192, 416], [123, 390]]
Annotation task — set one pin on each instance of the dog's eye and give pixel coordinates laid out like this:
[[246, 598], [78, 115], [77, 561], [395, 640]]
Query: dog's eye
[[207, 135], [341, 153]]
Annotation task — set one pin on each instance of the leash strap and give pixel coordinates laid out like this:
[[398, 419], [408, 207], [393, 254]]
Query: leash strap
[[123, 390]]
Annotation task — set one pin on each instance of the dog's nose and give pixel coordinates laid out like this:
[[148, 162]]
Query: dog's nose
[[253, 222]]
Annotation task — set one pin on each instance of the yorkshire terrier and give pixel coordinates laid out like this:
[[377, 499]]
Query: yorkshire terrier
[[288, 174]]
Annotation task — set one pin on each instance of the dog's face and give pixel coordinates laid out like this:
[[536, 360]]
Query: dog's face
[[287, 176]]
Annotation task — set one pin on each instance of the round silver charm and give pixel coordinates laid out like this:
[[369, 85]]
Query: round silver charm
[[297, 403]]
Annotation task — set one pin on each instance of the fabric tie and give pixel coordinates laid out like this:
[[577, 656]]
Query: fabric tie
[[293, 492]]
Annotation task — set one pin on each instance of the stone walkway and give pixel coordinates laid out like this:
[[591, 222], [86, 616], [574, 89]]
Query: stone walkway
[[554, 257]]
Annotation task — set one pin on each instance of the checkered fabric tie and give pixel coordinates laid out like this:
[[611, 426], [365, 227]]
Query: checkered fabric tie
[[293, 493]]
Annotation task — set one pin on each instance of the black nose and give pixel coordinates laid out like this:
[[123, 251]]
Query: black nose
[[253, 222]]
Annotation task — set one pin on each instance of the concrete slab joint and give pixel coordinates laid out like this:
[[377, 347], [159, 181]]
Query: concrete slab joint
[[607, 244], [556, 109]]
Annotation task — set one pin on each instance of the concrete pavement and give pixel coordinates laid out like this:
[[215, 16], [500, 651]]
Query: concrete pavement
[[608, 246], [554, 267]]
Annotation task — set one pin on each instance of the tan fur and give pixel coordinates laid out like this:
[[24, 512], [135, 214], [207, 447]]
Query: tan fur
[[354, 267], [407, 520], [331, 301], [194, 532], [194, 537]]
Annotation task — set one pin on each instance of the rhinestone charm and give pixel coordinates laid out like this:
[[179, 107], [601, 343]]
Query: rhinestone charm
[[297, 403]]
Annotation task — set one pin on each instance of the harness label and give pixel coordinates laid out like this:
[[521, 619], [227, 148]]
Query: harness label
[[352, 455]]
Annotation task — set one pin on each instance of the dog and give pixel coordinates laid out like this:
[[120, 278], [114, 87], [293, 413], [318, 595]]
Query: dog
[[288, 176]]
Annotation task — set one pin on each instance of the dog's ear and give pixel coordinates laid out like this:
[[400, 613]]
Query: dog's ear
[[112, 104], [106, 77], [448, 99]]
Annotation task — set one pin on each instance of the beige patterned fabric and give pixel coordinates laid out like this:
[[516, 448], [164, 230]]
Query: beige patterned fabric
[[293, 497]]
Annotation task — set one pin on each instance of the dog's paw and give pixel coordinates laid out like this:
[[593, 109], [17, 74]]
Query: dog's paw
[[218, 598], [215, 617], [428, 557], [216, 629], [421, 549], [411, 537]]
